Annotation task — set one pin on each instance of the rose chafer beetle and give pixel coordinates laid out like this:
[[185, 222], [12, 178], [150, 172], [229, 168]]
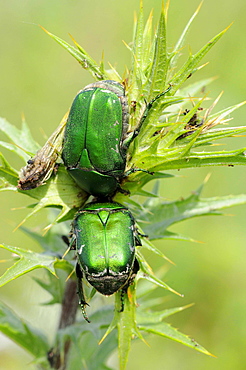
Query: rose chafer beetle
[[96, 138], [105, 236], [93, 147]]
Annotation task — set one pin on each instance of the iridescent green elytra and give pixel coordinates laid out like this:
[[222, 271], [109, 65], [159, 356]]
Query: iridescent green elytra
[[105, 236], [93, 149]]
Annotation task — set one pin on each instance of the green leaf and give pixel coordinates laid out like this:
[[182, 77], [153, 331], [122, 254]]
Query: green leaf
[[223, 158], [138, 41], [24, 144], [52, 241], [147, 45], [152, 317], [189, 67], [193, 89], [125, 322], [166, 330], [149, 275], [54, 286], [156, 216], [135, 186], [157, 76], [81, 56], [8, 175], [218, 134], [22, 333], [126, 325], [181, 40], [151, 247], [27, 262], [60, 191], [87, 336]]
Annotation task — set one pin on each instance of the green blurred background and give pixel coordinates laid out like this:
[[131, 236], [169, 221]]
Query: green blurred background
[[39, 79]]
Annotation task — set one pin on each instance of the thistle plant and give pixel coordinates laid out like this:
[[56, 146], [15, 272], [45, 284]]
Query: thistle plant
[[178, 131]]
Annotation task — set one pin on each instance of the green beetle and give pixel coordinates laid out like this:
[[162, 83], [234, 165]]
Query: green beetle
[[96, 139], [105, 237], [93, 150]]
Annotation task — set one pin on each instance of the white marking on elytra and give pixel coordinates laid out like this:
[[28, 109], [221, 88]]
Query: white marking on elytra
[[81, 248], [116, 150]]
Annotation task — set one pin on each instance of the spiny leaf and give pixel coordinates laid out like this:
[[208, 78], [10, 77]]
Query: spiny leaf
[[151, 247], [156, 215], [157, 316], [60, 191], [178, 157], [157, 76], [192, 90], [188, 68], [220, 116], [166, 330], [149, 275], [217, 134], [8, 175], [52, 240], [23, 142], [27, 262], [81, 56], [181, 40], [22, 333], [55, 287], [126, 325], [87, 336], [223, 158], [138, 38], [147, 53]]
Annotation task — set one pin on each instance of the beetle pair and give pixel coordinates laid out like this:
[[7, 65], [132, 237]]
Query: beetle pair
[[94, 153]]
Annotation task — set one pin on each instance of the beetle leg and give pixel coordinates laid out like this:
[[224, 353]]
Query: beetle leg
[[133, 170], [122, 298], [72, 244], [149, 105], [137, 238], [123, 191], [135, 270], [80, 292], [133, 274], [142, 235], [65, 239]]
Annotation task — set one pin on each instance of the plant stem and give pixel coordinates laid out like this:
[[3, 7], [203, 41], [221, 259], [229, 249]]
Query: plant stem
[[67, 318]]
